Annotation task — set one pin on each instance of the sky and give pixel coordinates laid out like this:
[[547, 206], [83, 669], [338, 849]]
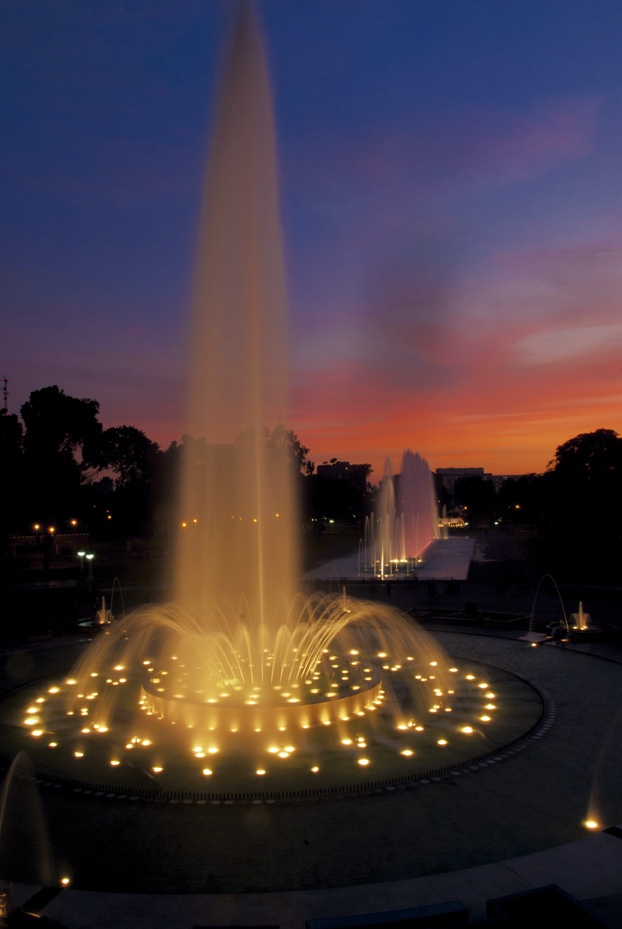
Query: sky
[[451, 199]]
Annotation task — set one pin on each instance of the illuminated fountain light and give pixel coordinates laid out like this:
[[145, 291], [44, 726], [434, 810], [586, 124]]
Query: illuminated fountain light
[[357, 732], [249, 681]]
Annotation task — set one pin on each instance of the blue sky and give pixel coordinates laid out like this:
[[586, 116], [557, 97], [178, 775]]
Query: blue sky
[[451, 201]]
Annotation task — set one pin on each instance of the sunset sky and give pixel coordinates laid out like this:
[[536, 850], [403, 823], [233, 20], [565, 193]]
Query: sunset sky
[[451, 200]]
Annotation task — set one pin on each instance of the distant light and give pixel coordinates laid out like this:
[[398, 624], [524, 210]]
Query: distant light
[[591, 824]]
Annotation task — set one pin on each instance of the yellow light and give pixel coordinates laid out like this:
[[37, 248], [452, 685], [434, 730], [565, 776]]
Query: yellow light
[[467, 729], [407, 752], [157, 769], [485, 719], [591, 824], [363, 762], [52, 744], [65, 880], [260, 772], [115, 763], [315, 769], [441, 742], [79, 754], [207, 772], [53, 690]]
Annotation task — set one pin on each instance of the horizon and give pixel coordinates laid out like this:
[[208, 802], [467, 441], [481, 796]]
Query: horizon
[[449, 197]]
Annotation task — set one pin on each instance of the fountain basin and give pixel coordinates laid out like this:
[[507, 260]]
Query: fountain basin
[[265, 709]]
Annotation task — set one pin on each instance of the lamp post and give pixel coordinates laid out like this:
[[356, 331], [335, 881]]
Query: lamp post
[[81, 557], [89, 557]]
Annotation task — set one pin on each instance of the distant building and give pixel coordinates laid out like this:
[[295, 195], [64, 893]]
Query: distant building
[[449, 476]]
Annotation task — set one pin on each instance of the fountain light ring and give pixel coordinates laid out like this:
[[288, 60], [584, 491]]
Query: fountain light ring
[[474, 764], [313, 710]]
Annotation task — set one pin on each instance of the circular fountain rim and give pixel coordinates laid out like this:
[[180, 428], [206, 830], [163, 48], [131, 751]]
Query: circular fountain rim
[[48, 778]]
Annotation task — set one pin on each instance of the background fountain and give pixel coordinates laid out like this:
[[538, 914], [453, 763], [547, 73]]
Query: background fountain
[[405, 520]]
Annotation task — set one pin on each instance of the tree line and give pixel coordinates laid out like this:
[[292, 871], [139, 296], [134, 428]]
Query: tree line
[[59, 467], [574, 509]]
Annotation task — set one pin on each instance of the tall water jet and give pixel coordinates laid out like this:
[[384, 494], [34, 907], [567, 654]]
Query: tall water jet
[[237, 503]]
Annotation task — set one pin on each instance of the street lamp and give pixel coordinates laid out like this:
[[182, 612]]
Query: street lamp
[[81, 557], [89, 558]]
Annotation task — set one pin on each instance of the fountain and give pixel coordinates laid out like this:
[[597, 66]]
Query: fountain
[[240, 672], [24, 846], [582, 626], [405, 521]]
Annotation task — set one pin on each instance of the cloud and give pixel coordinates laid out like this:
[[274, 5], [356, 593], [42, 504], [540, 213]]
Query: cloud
[[564, 345], [470, 154]]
